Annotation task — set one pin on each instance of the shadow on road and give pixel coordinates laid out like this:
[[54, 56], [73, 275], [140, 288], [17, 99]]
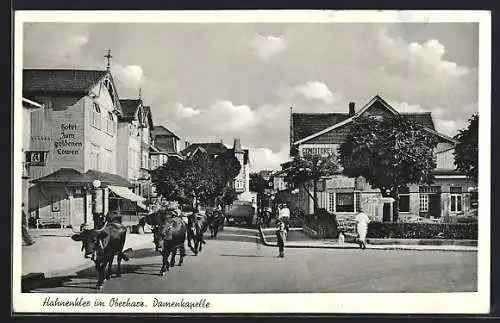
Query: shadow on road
[[90, 276], [244, 256]]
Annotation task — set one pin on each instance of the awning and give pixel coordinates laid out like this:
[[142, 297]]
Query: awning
[[125, 193]]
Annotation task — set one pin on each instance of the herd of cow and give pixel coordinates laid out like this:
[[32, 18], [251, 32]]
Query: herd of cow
[[170, 232]]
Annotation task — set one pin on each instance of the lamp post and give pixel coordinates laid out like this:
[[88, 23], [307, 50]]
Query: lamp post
[[97, 203]]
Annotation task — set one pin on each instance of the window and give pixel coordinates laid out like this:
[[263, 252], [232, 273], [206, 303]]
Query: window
[[456, 199], [404, 199], [424, 202], [110, 124], [96, 116], [94, 157], [145, 161], [331, 202], [344, 202]]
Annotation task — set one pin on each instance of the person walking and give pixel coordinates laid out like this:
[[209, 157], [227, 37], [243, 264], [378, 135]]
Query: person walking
[[27, 239], [362, 220], [281, 234]]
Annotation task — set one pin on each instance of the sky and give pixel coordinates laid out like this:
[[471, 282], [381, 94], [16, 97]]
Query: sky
[[219, 81]]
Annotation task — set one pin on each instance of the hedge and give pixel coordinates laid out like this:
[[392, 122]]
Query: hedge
[[422, 230]]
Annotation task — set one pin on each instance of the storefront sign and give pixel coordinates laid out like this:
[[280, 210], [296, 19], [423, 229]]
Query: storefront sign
[[341, 182], [318, 150]]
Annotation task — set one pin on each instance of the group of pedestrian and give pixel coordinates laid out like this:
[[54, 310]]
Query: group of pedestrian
[[283, 222]]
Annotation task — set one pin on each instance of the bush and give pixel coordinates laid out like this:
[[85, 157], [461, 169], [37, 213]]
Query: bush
[[423, 230], [324, 223]]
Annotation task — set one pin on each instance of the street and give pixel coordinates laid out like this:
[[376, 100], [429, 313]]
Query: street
[[246, 267]]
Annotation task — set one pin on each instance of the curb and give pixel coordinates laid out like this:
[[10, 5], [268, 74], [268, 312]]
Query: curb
[[371, 247]]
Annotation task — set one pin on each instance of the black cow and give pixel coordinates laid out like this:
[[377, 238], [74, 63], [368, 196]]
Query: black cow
[[197, 225], [215, 222], [173, 233], [156, 220], [102, 245]]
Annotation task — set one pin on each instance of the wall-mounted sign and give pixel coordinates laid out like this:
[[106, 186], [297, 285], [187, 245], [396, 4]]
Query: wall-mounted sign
[[36, 157], [68, 139], [318, 149], [341, 182]]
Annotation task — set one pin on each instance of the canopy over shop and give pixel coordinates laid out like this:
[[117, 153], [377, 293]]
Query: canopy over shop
[[64, 198]]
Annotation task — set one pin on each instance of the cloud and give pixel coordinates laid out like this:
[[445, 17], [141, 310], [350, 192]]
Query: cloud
[[311, 90], [130, 76], [448, 127], [65, 45], [184, 111], [266, 46], [404, 107], [267, 159], [425, 58]]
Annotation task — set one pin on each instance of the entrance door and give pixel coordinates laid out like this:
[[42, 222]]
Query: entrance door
[[386, 217]]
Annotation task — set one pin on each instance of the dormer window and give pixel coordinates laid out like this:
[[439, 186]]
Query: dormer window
[[96, 116]]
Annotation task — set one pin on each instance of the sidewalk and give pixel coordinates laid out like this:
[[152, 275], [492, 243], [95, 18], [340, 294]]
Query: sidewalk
[[268, 238], [55, 253]]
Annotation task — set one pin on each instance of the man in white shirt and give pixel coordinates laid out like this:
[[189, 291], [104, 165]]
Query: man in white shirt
[[284, 215], [363, 221]]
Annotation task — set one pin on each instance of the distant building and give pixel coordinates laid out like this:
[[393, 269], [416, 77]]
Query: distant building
[[323, 133], [241, 182], [166, 142]]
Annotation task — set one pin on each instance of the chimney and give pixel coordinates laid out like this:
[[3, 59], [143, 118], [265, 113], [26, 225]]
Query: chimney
[[352, 110], [186, 144], [237, 145]]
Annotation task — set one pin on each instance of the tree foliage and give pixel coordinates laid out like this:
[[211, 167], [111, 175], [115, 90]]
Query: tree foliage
[[466, 151], [307, 168], [389, 153], [257, 183], [199, 179]]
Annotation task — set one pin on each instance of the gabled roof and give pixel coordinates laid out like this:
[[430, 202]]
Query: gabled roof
[[64, 81], [162, 131], [129, 108], [60, 80], [64, 175], [212, 148], [306, 124], [423, 119]]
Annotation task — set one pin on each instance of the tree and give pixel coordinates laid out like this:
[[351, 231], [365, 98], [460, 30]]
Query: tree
[[389, 153], [198, 179], [466, 151], [307, 168], [257, 183], [228, 195]]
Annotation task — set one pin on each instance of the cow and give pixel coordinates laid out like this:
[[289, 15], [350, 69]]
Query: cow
[[197, 225], [215, 222], [156, 220], [173, 234], [101, 246]]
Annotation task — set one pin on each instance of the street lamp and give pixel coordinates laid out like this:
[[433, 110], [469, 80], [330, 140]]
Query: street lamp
[[97, 203]]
